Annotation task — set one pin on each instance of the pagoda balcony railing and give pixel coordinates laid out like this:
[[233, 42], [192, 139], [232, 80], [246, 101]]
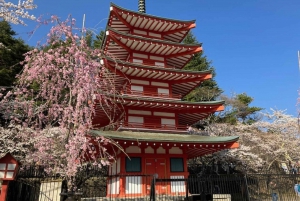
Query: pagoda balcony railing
[[152, 126], [152, 63], [154, 94]]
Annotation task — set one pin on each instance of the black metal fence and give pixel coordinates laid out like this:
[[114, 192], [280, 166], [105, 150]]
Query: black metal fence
[[33, 184], [283, 187]]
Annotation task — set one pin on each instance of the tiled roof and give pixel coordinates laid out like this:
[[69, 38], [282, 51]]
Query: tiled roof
[[164, 137], [119, 45], [172, 30], [192, 145]]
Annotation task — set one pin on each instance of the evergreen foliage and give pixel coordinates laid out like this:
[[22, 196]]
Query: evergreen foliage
[[12, 52], [97, 42], [238, 109], [209, 89]]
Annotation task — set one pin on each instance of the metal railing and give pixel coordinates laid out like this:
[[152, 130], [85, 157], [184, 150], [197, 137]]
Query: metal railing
[[154, 126], [153, 94], [148, 62], [34, 185]]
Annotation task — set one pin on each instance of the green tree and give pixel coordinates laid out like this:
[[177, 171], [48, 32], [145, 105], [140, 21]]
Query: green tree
[[94, 41], [209, 89], [238, 109], [12, 52], [89, 38], [97, 42]]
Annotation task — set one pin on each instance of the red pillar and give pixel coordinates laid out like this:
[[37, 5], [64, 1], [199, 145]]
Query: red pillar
[[4, 190]]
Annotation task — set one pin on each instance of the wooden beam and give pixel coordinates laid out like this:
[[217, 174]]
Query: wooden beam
[[181, 29], [120, 17], [202, 78], [193, 51]]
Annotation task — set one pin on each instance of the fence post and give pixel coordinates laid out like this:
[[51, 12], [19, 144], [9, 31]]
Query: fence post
[[187, 189], [247, 188], [152, 191]]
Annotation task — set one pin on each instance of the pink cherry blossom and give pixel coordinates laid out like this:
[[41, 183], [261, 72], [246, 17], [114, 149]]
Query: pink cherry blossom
[[54, 99]]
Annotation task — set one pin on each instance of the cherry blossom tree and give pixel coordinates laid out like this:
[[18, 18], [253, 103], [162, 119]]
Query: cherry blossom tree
[[11, 142], [15, 13], [55, 100], [264, 144]]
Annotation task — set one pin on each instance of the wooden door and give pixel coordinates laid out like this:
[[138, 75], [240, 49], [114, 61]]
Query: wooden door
[[157, 168]]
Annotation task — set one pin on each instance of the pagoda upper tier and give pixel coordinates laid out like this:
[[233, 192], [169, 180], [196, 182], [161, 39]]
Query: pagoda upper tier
[[128, 47], [144, 59], [181, 81], [153, 108], [137, 23]]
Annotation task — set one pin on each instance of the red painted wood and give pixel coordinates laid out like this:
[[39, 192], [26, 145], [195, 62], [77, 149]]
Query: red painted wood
[[157, 167], [185, 28], [3, 192]]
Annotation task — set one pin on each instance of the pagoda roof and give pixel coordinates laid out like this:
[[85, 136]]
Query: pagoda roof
[[188, 112], [195, 145], [186, 106], [120, 45], [182, 81], [124, 20]]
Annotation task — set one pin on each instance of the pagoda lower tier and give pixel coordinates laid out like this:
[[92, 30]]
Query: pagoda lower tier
[[189, 145], [140, 155]]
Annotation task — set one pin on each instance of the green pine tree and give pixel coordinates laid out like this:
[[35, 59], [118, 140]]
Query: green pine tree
[[97, 42], [237, 108], [209, 89], [12, 52]]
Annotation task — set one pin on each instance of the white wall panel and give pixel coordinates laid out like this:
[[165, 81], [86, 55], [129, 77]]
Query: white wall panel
[[133, 185], [133, 119], [168, 121], [177, 186], [163, 91], [137, 88], [113, 185]]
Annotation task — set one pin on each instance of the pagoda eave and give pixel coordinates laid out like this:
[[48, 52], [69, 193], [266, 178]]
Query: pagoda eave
[[137, 43], [172, 30], [193, 145], [141, 71], [111, 31], [163, 103]]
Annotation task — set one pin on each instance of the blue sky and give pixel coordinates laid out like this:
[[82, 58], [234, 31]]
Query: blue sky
[[252, 44]]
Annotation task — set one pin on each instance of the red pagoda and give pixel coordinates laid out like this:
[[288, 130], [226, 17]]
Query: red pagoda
[[146, 57]]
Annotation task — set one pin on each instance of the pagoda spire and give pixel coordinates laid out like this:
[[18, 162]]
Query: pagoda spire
[[142, 6]]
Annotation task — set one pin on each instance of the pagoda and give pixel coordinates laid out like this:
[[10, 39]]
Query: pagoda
[[146, 56]]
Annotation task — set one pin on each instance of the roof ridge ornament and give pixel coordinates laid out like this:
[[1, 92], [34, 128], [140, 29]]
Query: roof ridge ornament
[[142, 6]]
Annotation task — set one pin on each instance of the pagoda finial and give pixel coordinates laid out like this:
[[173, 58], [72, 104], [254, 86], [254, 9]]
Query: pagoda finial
[[142, 6]]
